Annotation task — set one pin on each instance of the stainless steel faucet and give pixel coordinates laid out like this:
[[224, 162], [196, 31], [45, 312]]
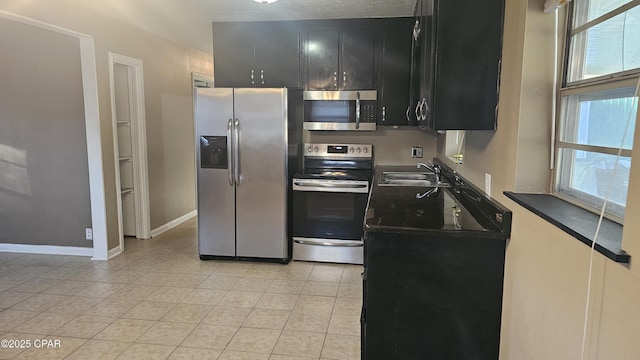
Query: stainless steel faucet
[[427, 193], [435, 168]]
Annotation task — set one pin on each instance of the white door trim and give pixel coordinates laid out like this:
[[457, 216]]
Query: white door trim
[[139, 144], [92, 125]]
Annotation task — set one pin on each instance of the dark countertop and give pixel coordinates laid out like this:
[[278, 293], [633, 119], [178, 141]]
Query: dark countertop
[[577, 222], [458, 210]]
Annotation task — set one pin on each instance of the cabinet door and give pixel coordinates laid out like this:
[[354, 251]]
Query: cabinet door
[[417, 34], [433, 297], [277, 55], [233, 55], [395, 71], [357, 59], [467, 64], [425, 69], [322, 59]]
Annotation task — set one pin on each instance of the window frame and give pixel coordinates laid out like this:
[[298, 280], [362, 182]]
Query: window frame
[[618, 80]]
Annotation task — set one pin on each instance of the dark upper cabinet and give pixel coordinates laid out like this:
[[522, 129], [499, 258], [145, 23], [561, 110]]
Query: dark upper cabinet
[[277, 55], [340, 59], [425, 43], [323, 53], [357, 60], [394, 72], [233, 55], [260, 54], [467, 64], [422, 70], [456, 64]]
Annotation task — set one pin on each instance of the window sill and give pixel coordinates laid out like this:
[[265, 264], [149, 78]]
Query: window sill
[[576, 222]]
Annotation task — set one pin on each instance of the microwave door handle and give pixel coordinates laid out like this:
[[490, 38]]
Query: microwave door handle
[[236, 155], [358, 110], [230, 151]]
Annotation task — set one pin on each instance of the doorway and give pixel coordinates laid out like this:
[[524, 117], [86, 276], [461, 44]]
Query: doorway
[[130, 147]]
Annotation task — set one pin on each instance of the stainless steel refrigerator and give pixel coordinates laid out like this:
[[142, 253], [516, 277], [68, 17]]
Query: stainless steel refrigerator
[[248, 145]]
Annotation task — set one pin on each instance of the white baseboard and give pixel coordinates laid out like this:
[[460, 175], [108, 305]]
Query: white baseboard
[[171, 224], [47, 249], [114, 252]]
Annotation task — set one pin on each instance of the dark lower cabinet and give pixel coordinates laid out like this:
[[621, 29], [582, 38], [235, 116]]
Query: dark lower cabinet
[[430, 297]]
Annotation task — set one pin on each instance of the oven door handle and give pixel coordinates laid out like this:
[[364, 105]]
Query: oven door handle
[[328, 243], [328, 187], [357, 110]]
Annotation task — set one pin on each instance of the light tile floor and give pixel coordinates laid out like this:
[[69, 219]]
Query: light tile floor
[[158, 300]]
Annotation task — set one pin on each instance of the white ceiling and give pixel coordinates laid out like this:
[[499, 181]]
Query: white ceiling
[[189, 21]]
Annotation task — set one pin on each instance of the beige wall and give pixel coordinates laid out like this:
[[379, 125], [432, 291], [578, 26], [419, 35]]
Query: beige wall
[[44, 175], [168, 103], [546, 275]]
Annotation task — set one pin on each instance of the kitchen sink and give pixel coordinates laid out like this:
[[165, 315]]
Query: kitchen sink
[[399, 175], [419, 179]]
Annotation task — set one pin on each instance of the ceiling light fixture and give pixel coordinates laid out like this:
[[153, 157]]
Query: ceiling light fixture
[[265, 1]]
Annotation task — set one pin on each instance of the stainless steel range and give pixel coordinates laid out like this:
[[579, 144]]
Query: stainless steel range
[[329, 200]]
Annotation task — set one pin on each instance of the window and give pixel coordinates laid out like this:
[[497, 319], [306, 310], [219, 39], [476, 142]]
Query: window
[[598, 99]]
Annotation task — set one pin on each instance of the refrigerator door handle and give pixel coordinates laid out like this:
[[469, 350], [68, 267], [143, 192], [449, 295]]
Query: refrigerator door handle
[[236, 155], [229, 151]]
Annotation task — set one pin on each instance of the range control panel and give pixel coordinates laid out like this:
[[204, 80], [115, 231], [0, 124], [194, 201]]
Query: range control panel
[[338, 150]]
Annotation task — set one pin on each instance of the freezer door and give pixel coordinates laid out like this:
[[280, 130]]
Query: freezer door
[[261, 192], [216, 194]]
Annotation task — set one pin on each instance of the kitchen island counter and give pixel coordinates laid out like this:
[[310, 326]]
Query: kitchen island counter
[[433, 269]]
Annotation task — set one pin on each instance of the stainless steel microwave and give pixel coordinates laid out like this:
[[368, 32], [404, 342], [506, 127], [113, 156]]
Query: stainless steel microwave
[[340, 110]]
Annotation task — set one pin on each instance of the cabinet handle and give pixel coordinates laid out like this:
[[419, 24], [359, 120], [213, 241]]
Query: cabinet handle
[[416, 30], [424, 108], [384, 113], [252, 78], [418, 117], [335, 79], [344, 77], [407, 114], [262, 77]]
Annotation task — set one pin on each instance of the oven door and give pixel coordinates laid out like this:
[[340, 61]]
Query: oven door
[[328, 218]]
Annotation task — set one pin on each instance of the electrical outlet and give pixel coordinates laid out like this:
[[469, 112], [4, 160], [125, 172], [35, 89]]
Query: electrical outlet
[[416, 152], [487, 184], [88, 233]]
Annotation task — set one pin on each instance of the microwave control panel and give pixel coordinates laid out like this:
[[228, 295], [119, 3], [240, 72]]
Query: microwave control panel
[[368, 112]]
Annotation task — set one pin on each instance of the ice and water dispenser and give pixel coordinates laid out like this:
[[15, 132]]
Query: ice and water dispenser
[[213, 152]]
